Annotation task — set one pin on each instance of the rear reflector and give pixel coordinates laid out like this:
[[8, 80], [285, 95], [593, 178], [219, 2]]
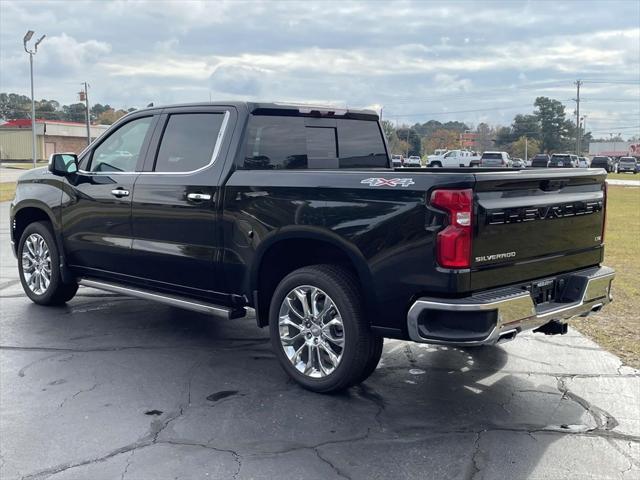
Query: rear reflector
[[453, 243]]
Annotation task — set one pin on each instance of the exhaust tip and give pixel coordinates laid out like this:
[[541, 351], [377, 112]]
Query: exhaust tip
[[596, 308], [507, 336]]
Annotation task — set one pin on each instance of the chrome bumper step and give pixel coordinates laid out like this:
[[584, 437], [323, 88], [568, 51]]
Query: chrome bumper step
[[493, 316]]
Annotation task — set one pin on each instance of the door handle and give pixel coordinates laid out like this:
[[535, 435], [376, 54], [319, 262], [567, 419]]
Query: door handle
[[198, 197], [120, 192]]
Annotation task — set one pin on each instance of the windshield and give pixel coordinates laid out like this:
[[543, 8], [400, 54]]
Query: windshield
[[492, 156]]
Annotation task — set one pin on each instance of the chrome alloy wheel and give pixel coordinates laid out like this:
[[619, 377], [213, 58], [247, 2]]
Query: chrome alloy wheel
[[311, 331], [36, 264]]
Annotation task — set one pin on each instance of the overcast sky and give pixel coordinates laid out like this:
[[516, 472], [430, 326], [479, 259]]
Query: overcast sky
[[480, 61]]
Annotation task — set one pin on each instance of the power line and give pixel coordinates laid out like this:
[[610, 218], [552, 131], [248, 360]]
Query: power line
[[609, 129], [612, 100], [614, 82], [476, 94], [461, 111]]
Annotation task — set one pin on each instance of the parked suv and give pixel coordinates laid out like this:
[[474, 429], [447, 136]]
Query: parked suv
[[628, 164], [540, 160], [295, 213], [562, 160], [601, 161], [495, 159]]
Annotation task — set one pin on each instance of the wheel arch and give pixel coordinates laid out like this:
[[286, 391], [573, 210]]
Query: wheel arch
[[296, 247], [28, 212]]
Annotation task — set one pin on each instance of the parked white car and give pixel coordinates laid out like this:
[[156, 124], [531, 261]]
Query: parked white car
[[454, 158], [397, 160], [412, 161]]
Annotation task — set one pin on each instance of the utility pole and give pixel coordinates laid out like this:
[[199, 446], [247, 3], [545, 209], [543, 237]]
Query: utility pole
[[31, 53], [578, 134], [407, 154], [526, 148], [85, 96]]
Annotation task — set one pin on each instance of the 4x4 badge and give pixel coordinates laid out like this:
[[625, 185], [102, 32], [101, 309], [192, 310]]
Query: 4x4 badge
[[388, 182]]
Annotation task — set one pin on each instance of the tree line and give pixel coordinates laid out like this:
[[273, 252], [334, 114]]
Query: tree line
[[14, 106], [546, 130]]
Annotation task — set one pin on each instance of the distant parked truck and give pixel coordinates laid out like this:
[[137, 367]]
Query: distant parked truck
[[454, 158]]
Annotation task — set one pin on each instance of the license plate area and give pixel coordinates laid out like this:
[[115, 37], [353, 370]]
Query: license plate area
[[547, 291]]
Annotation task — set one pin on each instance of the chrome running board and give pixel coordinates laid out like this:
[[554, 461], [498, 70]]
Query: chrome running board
[[173, 300]]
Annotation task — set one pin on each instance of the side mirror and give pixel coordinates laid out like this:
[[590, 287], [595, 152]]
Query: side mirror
[[63, 163]]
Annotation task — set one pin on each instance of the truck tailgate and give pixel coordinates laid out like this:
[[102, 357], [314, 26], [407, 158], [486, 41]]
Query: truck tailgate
[[531, 224]]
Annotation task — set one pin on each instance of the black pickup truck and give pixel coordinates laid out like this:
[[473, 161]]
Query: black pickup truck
[[294, 211]]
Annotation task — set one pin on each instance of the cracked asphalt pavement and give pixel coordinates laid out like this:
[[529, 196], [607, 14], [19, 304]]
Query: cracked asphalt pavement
[[109, 387]]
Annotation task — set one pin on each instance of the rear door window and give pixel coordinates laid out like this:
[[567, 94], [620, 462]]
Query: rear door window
[[188, 142], [275, 143]]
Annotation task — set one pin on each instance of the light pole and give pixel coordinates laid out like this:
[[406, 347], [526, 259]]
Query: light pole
[[31, 53], [526, 145]]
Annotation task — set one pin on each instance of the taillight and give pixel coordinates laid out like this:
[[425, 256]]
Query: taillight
[[604, 208], [453, 243]]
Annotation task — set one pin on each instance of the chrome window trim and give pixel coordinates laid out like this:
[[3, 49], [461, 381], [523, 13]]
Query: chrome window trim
[[214, 155]]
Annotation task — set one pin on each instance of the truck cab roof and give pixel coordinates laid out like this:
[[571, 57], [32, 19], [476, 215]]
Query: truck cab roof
[[281, 108]]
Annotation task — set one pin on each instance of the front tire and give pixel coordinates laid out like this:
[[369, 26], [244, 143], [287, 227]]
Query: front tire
[[39, 267], [319, 331]]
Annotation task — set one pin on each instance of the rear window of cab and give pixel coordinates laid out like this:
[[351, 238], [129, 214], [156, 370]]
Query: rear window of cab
[[281, 142]]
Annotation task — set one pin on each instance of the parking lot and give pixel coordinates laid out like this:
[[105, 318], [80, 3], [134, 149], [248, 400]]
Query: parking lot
[[111, 387]]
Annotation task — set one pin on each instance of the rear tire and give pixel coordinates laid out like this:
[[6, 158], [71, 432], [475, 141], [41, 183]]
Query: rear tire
[[39, 267], [325, 344]]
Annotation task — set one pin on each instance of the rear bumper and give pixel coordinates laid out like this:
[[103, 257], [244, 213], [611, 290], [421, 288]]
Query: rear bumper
[[498, 315]]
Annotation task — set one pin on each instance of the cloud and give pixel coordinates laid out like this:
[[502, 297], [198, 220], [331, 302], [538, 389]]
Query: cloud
[[242, 80], [410, 57], [65, 52]]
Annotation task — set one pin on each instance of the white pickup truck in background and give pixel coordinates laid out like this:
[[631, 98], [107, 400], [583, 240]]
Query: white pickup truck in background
[[454, 158]]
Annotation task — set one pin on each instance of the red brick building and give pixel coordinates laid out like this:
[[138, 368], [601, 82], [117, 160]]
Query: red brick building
[[51, 137]]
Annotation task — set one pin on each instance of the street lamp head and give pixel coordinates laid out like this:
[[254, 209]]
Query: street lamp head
[[27, 36]]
